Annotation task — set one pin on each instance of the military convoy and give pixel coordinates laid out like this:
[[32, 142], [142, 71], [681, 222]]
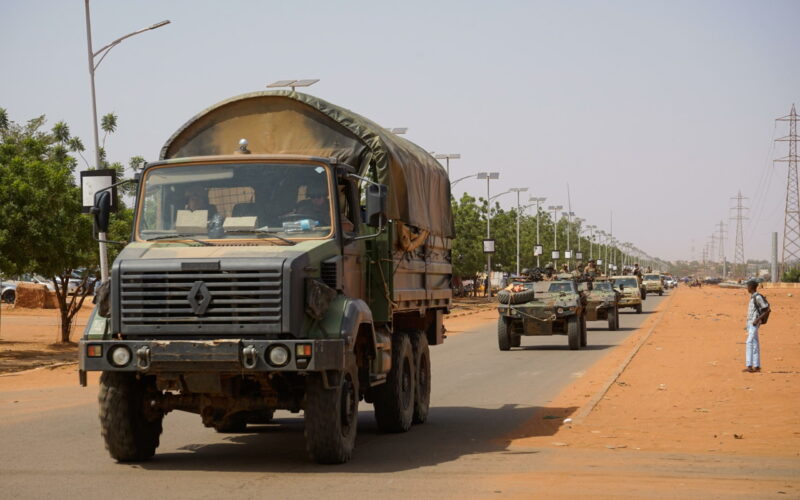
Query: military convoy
[[287, 253]]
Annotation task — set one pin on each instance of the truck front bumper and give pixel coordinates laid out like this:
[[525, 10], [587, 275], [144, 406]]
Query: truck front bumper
[[235, 355]]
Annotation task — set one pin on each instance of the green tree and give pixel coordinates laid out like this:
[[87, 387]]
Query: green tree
[[41, 227]]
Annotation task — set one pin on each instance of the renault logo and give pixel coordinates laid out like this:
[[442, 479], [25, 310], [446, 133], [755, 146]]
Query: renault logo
[[199, 298]]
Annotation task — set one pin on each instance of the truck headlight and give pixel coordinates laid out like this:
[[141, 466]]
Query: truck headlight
[[120, 356], [278, 355]]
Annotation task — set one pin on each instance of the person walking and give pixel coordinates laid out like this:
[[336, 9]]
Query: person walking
[[757, 312]]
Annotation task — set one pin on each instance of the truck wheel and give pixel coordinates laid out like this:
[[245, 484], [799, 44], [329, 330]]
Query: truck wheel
[[584, 332], [130, 433], [516, 340], [422, 367], [394, 400], [574, 333], [231, 424], [660, 293], [503, 335], [331, 416], [638, 308]]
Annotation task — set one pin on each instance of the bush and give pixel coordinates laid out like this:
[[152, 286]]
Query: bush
[[791, 276]]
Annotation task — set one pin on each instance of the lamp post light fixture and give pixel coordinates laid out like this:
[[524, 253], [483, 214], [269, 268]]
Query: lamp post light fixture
[[93, 55], [518, 191], [537, 200], [489, 176], [447, 158], [555, 209]]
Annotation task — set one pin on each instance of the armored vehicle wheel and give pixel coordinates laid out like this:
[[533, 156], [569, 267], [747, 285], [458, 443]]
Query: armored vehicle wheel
[[394, 400], [331, 415], [660, 293], [131, 433], [613, 319], [422, 366], [638, 308], [584, 332], [516, 340], [507, 297], [574, 333], [503, 334]]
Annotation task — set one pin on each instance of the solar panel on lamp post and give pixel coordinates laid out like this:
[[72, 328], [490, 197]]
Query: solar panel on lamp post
[[292, 83], [447, 158], [489, 176]]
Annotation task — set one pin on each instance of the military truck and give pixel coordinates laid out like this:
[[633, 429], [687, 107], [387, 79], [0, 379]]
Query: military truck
[[631, 292], [541, 308], [286, 253], [653, 283], [602, 303]]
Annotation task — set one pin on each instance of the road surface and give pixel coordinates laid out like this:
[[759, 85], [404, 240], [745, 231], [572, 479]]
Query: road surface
[[51, 444]]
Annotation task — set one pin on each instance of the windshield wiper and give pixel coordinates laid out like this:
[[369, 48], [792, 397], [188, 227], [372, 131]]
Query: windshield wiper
[[181, 236], [264, 232]]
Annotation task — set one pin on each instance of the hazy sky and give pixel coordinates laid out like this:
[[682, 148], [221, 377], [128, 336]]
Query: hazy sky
[[657, 111]]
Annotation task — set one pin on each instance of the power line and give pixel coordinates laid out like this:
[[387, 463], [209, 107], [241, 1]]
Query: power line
[[791, 219]]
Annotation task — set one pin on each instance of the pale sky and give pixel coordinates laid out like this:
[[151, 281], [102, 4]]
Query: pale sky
[[657, 111]]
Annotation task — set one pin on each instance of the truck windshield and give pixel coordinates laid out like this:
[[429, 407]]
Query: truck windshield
[[235, 201], [604, 286], [627, 282], [652, 277]]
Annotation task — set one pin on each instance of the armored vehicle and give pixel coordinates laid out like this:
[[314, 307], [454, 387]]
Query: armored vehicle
[[541, 308], [288, 254], [630, 290], [602, 303], [653, 283]]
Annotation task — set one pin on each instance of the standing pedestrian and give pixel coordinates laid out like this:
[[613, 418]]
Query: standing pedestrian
[[757, 313]]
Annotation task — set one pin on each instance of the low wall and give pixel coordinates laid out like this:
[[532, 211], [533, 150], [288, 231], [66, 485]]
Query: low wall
[[780, 285]]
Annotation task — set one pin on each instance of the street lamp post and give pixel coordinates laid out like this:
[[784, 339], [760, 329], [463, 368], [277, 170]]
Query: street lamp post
[[579, 221], [537, 200], [488, 176], [555, 209], [102, 53], [447, 158], [568, 215], [591, 229], [518, 191]]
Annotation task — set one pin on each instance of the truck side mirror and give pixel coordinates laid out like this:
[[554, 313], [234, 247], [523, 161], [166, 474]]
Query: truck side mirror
[[376, 205], [101, 210]]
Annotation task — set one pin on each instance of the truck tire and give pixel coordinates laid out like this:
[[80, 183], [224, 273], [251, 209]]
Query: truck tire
[[130, 433], [639, 308], [422, 368], [574, 333], [507, 297], [394, 400], [331, 416], [503, 334], [613, 319], [584, 332]]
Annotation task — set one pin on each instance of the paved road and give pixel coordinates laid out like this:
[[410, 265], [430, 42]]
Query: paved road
[[479, 396]]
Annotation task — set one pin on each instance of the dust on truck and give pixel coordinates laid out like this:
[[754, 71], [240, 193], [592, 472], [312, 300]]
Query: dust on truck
[[286, 254]]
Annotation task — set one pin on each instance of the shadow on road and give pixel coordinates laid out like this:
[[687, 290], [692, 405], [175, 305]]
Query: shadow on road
[[449, 434], [565, 347]]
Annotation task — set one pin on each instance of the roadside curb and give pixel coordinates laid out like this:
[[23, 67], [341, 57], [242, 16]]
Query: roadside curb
[[588, 407]]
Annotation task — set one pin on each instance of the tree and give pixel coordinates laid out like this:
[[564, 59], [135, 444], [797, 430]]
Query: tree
[[42, 230]]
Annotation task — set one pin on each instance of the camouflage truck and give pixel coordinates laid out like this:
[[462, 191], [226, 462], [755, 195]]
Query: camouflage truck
[[631, 292], [288, 254], [653, 283], [542, 308], [602, 303]]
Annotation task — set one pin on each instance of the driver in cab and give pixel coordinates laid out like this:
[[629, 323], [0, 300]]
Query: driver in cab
[[316, 206]]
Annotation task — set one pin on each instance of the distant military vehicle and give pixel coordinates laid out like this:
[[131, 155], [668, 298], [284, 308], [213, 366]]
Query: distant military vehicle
[[630, 290], [541, 308], [602, 303], [653, 283]]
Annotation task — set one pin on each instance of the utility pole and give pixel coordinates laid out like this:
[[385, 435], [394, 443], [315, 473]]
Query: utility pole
[[790, 257], [537, 200], [738, 252], [722, 246]]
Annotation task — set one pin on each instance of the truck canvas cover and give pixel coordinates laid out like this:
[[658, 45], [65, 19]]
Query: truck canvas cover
[[292, 123]]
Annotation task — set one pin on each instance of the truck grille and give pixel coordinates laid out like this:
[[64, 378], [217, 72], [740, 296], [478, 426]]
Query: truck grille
[[218, 301]]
